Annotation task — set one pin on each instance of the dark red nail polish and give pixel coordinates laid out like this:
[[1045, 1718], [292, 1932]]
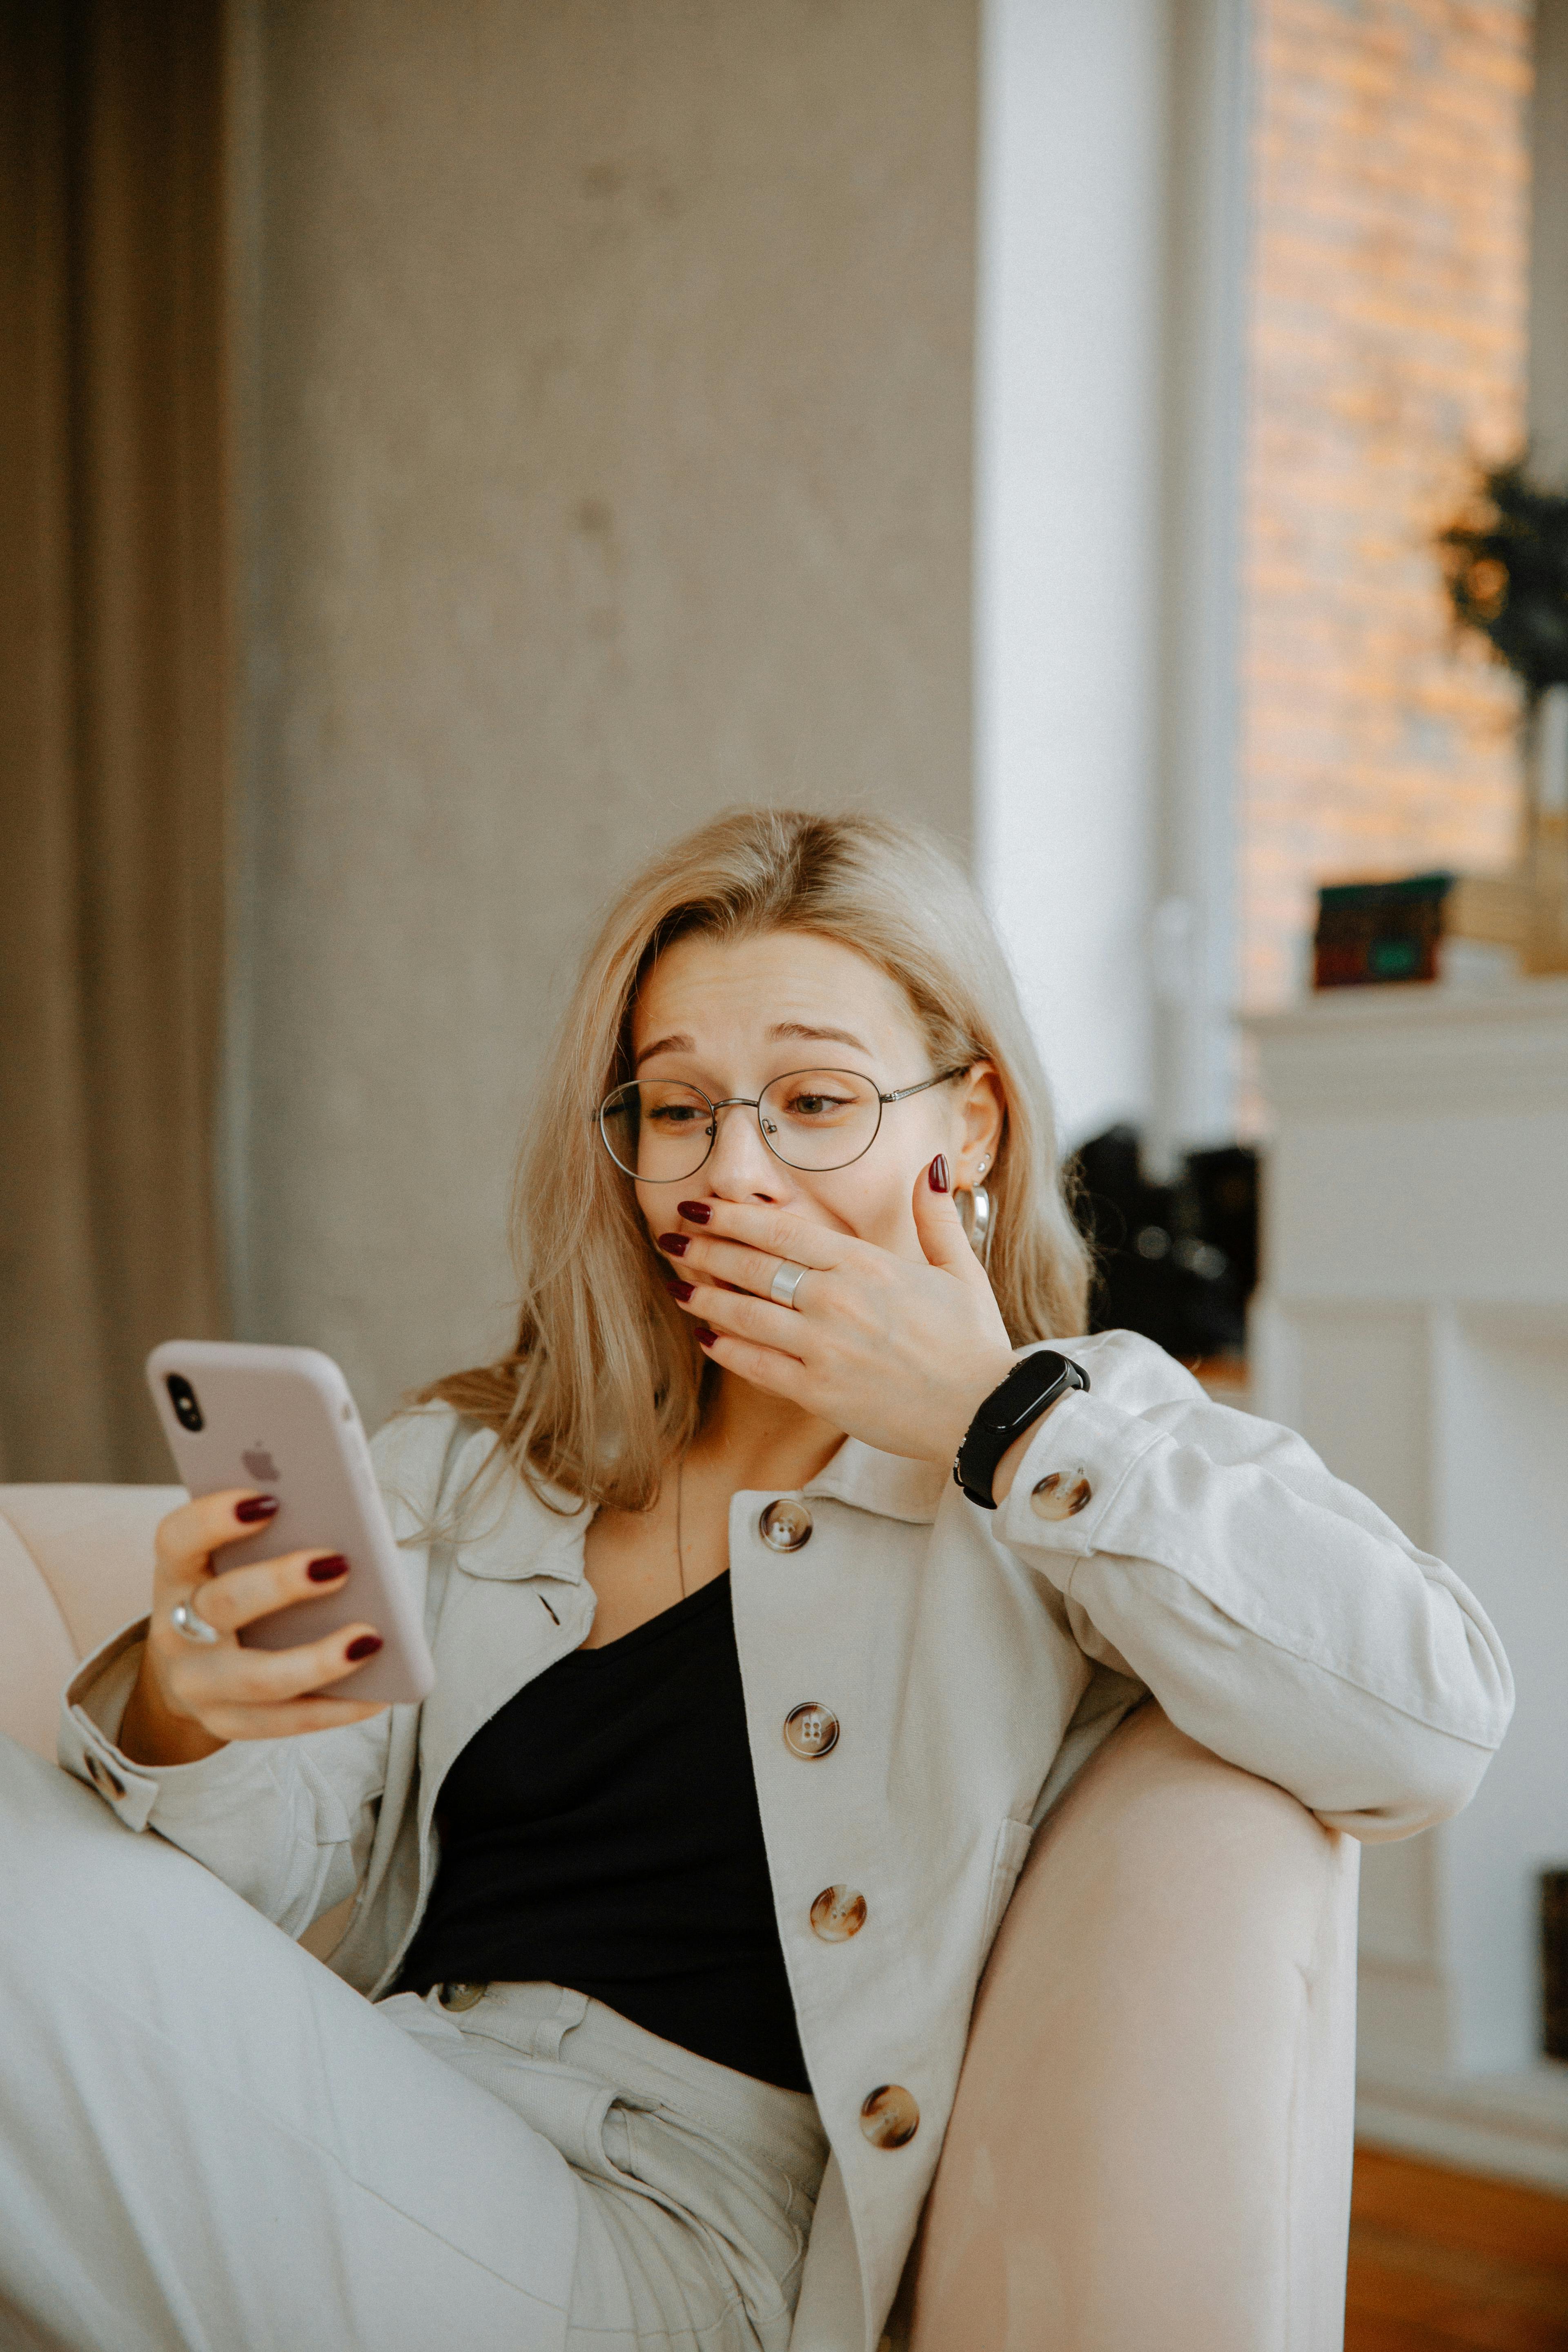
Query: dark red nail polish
[[705, 1338], [328, 1569], [696, 1213], [681, 1290], [936, 1174], [255, 1507], [365, 1647], [673, 1244]]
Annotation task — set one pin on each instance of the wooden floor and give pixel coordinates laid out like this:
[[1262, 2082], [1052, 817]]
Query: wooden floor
[[1444, 2262]]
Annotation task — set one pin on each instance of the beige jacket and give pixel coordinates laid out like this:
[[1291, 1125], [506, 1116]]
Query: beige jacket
[[957, 1667]]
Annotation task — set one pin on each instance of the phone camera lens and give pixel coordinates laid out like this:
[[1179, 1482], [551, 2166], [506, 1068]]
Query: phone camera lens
[[182, 1397]]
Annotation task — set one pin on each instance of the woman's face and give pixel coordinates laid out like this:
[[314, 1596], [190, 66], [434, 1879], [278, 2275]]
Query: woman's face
[[727, 1017]]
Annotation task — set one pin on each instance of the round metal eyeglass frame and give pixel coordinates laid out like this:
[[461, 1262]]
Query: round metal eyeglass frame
[[754, 1102]]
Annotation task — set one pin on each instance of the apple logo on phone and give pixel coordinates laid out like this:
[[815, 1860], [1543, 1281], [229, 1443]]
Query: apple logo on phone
[[259, 1462]]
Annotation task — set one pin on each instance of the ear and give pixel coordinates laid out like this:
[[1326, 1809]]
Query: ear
[[982, 1112]]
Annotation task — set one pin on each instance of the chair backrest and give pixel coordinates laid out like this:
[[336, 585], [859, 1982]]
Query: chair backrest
[[76, 1563]]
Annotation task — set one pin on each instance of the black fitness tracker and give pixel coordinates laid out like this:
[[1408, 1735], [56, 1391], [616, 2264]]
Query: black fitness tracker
[[1030, 1388]]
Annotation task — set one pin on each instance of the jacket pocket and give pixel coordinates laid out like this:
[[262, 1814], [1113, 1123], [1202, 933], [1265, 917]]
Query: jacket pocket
[[1007, 1860]]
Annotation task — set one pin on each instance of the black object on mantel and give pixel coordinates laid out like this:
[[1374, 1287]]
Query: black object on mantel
[[1554, 1963], [1370, 933], [1177, 1262]]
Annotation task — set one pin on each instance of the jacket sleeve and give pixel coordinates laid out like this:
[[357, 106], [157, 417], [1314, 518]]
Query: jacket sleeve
[[1277, 1616], [287, 1823]]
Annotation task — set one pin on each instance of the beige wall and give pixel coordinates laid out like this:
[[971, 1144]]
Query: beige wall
[[610, 461]]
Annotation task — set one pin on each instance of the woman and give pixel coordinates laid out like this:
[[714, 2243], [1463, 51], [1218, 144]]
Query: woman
[[677, 1889]]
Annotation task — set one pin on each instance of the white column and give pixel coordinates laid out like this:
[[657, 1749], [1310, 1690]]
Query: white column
[[1109, 419], [1073, 151], [1194, 975]]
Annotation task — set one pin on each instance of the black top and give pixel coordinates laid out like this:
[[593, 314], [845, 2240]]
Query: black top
[[602, 1832]]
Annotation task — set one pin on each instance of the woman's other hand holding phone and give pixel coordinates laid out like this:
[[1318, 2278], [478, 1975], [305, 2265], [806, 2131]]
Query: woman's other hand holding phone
[[192, 1698]]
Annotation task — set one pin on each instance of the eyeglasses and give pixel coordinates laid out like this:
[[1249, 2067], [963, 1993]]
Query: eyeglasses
[[661, 1132]]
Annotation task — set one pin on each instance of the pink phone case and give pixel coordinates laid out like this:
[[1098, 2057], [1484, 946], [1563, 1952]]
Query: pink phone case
[[280, 1420]]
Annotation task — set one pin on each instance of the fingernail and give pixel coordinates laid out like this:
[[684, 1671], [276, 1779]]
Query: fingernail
[[696, 1213], [673, 1244], [365, 1647], [936, 1174], [705, 1338], [256, 1507], [327, 1570], [681, 1290]]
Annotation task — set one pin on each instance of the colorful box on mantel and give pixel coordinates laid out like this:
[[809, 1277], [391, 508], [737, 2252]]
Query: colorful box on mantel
[[1371, 933]]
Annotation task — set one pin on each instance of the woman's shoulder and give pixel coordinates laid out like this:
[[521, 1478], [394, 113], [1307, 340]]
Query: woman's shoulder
[[443, 1473], [424, 1457]]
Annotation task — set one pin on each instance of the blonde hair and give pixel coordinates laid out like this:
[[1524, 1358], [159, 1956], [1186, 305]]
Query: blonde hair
[[603, 1387]]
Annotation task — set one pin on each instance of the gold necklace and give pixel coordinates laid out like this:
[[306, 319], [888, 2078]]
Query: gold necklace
[[679, 1546]]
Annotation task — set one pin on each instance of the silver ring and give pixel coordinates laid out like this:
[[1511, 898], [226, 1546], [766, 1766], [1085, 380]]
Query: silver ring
[[786, 1281], [187, 1618]]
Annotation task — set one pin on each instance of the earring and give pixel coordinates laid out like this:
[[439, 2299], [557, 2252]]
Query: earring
[[974, 1206]]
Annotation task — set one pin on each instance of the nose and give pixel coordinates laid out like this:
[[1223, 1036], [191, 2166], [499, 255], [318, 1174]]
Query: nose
[[740, 1163]]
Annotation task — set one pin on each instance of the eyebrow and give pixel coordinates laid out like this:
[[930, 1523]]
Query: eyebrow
[[678, 1042], [830, 1036]]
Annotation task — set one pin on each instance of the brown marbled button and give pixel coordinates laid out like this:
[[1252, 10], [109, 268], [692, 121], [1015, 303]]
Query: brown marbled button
[[890, 2116], [785, 1524], [1061, 1495], [109, 1783], [810, 1731], [462, 1996], [837, 1913]]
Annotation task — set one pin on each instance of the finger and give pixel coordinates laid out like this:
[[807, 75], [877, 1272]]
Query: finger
[[233, 1676], [773, 1232], [764, 1368], [738, 1316], [188, 1539], [940, 1226], [702, 1259], [287, 1722], [238, 1596]]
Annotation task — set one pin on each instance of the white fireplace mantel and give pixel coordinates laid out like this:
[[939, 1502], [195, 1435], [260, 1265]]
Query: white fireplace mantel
[[1413, 1324]]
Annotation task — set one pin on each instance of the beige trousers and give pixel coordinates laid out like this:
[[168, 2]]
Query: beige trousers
[[209, 2143]]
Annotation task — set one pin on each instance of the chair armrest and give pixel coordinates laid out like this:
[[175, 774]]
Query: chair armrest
[[76, 1563], [35, 1651], [93, 1548], [1152, 2141]]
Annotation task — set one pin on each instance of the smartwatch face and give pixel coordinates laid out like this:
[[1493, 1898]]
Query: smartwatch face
[[1037, 1377]]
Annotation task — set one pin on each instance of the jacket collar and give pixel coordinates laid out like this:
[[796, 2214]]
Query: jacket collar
[[505, 1532], [889, 1485]]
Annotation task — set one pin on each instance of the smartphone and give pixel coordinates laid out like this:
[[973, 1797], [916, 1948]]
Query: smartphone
[[281, 1421]]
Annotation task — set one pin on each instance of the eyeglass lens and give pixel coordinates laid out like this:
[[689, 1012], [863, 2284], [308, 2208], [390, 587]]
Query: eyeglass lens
[[814, 1120]]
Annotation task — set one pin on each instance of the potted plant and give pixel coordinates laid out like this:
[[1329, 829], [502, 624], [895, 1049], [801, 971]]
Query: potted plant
[[1506, 564]]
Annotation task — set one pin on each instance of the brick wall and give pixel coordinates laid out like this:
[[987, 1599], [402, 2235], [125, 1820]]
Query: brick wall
[[1387, 342]]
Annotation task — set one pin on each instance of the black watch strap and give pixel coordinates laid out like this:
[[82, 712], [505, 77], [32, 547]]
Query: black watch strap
[[1030, 1388]]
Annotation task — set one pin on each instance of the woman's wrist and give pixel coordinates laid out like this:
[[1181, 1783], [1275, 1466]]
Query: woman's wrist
[[152, 1733], [1009, 1467], [977, 1387], [1003, 1422]]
